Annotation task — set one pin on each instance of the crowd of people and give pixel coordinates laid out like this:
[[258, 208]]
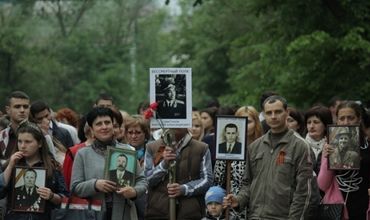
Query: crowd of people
[[292, 162]]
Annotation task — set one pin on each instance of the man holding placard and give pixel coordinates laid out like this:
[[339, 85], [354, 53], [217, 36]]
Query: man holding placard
[[277, 181]]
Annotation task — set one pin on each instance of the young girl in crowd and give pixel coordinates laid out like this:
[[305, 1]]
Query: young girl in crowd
[[32, 152], [347, 187], [254, 131]]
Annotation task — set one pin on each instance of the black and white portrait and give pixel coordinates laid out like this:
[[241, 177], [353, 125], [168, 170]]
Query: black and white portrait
[[171, 95], [25, 196], [345, 142], [170, 88], [231, 137]]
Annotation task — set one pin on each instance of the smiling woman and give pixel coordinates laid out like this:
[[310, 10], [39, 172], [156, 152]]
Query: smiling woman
[[88, 170]]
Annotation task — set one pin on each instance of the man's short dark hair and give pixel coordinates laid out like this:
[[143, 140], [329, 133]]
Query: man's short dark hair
[[231, 125], [104, 96], [17, 95], [273, 99], [264, 96], [122, 155], [98, 112], [38, 106]]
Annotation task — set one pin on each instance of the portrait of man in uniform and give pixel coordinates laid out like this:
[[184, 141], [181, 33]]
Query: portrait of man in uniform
[[346, 154], [25, 196], [171, 96]]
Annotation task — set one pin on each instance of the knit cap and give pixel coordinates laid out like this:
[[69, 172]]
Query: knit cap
[[215, 194]]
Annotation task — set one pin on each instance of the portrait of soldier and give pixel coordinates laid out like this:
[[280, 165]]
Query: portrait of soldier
[[26, 197], [169, 104], [344, 155]]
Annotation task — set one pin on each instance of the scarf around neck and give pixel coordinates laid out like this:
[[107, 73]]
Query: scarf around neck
[[100, 147], [316, 145]]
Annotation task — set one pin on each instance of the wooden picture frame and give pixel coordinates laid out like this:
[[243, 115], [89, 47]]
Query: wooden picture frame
[[171, 89], [126, 161], [26, 181], [345, 141], [231, 137]]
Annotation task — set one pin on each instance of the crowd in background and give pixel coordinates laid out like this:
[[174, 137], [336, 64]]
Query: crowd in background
[[72, 146]]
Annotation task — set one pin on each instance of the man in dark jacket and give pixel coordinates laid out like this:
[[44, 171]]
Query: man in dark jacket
[[41, 113]]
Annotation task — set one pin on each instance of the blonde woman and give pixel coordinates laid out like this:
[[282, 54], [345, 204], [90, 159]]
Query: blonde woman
[[197, 129], [254, 131]]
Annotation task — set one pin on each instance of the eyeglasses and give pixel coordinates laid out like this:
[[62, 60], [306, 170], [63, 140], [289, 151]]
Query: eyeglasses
[[134, 132]]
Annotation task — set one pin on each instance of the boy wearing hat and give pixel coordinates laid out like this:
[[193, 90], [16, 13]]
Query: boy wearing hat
[[214, 198]]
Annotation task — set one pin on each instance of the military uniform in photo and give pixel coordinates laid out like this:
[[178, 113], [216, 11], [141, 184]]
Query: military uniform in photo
[[27, 199]]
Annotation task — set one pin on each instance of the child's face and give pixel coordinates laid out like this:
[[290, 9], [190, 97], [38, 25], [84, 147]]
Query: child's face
[[214, 208], [28, 144]]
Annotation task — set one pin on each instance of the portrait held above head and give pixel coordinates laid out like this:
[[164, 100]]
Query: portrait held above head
[[168, 93], [231, 144], [346, 153]]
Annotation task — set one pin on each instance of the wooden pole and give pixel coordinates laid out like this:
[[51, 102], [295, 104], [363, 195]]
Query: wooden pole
[[228, 181]]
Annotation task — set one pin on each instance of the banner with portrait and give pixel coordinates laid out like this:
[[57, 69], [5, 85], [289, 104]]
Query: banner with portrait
[[171, 89]]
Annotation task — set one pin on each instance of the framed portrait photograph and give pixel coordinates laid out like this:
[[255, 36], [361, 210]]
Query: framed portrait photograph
[[346, 143], [26, 182], [120, 166], [231, 137], [170, 88]]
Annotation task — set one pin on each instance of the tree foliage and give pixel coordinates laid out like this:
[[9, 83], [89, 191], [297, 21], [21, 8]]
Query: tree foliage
[[68, 54], [308, 51]]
